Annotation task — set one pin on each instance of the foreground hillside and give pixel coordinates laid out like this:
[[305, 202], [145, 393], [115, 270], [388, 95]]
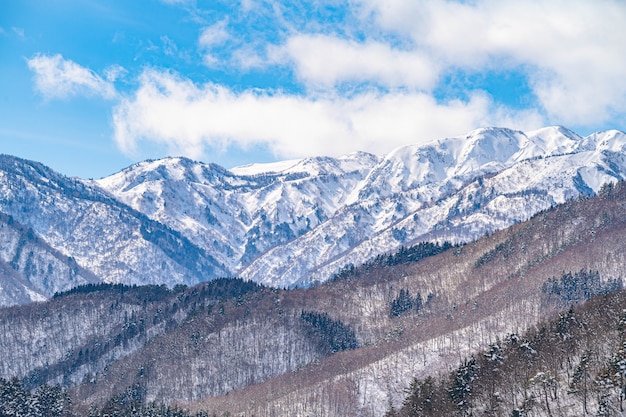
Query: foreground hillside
[[571, 365], [348, 347]]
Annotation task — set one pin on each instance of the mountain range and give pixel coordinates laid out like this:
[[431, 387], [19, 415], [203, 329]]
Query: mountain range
[[288, 224], [525, 225], [348, 347]]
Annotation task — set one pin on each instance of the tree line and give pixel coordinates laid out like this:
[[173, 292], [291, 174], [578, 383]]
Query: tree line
[[405, 255], [53, 401], [334, 336]]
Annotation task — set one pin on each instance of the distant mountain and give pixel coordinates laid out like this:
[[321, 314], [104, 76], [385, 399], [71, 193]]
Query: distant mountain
[[104, 238], [31, 270], [291, 223], [299, 222], [242, 214]]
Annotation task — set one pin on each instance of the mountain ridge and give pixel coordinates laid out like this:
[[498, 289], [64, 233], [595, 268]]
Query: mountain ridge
[[299, 222], [101, 234]]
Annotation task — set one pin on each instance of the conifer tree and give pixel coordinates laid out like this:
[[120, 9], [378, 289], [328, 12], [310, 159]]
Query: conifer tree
[[462, 385]]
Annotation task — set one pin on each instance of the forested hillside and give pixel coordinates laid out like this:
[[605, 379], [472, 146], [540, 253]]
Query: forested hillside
[[571, 365]]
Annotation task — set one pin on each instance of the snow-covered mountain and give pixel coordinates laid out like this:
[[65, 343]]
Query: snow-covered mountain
[[240, 215], [298, 222], [82, 234], [284, 224], [30, 269]]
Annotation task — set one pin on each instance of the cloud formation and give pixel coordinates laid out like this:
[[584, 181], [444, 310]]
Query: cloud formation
[[56, 77], [370, 81], [171, 110], [326, 61], [571, 51], [211, 37]]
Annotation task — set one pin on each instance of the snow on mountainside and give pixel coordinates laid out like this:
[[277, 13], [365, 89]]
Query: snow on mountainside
[[103, 236], [298, 222], [238, 218], [291, 223], [30, 269], [256, 169]]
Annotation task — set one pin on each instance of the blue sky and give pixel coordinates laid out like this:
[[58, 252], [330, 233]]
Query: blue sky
[[89, 87]]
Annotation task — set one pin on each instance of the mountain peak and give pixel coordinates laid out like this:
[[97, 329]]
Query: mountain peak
[[311, 165], [170, 169], [264, 168]]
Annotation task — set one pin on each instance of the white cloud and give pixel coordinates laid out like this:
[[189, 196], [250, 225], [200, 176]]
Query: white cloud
[[19, 32], [56, 77], [171, 110], [327, 60], [169, 46], [247, 58], [572, 51], [213, 35], [114, 73], [210, 38], [247, 5]]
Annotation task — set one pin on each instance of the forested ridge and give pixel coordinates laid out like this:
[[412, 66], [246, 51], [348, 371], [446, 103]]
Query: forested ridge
[[53, 401], [571, 365], [405, 255]]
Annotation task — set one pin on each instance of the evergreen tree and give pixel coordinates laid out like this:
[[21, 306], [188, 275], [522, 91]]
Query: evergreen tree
[[14, 399], [462, 385], [403, 302], [420, 400], [334, 335], [418, 303]]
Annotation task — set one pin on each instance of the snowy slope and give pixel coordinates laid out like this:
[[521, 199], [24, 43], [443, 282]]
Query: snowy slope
[[100, 234], [298, 222], [238, 218], [287, 223], [31, 270]]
